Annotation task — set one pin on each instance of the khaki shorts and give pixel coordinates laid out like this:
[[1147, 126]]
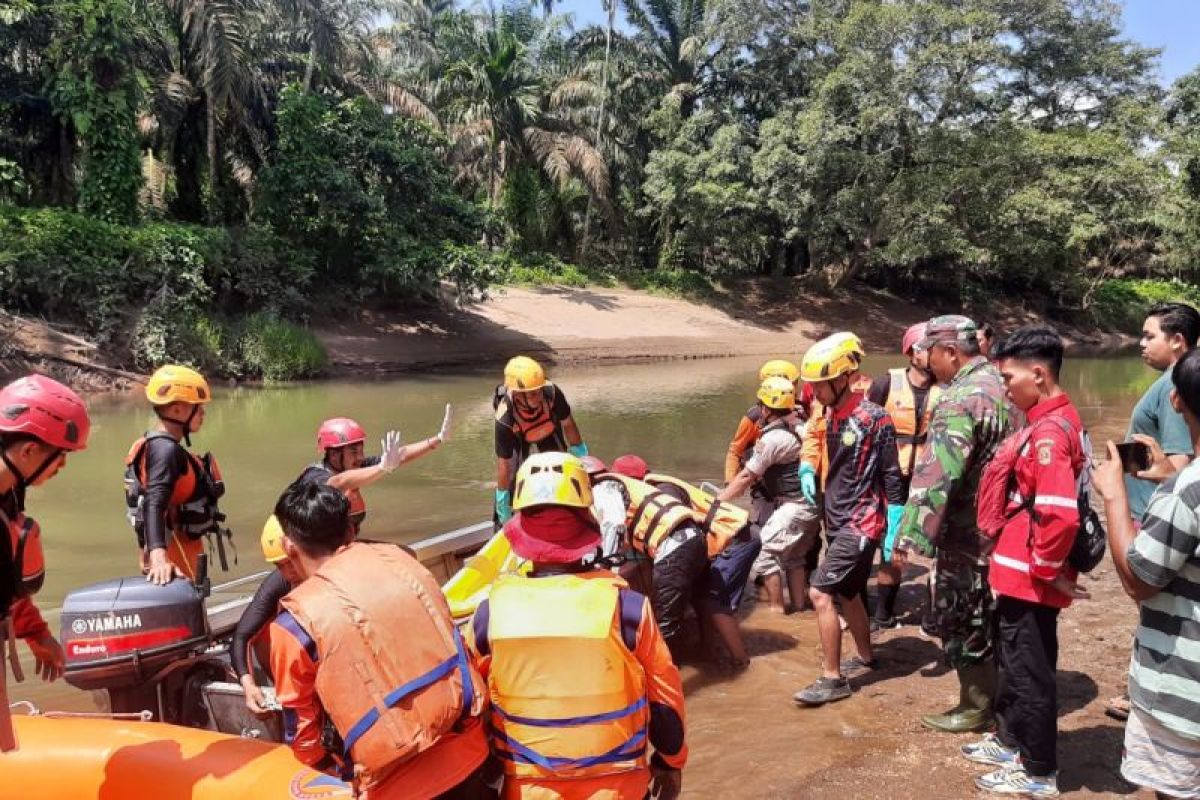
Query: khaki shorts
[[1157, 758], [787, 536]]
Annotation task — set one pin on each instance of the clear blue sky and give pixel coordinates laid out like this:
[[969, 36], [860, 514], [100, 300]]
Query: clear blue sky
[[1170, 24]]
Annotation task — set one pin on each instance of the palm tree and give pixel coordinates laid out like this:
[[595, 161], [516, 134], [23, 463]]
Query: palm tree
[[500, 116], [671, 44]]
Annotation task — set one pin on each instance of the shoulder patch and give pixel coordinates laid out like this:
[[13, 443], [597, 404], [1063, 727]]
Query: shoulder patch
[[1045, 453]]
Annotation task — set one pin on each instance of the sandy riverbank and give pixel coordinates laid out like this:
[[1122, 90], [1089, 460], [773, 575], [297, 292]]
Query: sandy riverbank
[[571, 325]]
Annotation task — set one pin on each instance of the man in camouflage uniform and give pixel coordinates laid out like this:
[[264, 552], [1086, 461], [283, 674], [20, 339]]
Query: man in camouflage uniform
[[970, 420]]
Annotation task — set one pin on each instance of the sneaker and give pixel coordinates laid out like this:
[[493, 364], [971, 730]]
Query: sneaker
[[1015, 780], [989, 750], [854, 666], [823, 690], [884, 624]]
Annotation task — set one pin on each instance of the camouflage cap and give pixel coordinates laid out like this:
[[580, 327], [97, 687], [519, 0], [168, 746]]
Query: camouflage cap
[[949, 328]]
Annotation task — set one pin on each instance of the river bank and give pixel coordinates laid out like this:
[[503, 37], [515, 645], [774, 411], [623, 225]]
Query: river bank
[[561, 325], [568, 325]]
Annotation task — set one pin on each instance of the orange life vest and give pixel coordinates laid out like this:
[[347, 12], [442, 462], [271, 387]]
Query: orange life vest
[[650, 514], [720, 521], [911, 433], [192, 508], [568, 695], [392, 673], [530, 426], [26, 558]]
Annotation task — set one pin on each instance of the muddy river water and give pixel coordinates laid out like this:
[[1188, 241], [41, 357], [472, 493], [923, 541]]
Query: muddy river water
[[678, 415]]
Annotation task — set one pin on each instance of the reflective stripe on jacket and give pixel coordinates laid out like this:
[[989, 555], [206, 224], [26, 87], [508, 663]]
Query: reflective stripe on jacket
[[392, 673], [718, 520], [650, 514], [568, 696]]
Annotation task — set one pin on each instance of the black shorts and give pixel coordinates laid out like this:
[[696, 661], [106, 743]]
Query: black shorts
[[846, 567]]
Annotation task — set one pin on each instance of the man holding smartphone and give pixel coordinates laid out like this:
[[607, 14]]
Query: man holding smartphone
[[1169, 332]]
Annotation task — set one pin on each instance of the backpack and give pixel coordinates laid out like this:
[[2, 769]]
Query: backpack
[[996, 485]]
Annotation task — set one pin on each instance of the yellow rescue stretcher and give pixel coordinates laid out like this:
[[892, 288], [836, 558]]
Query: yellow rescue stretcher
[[471, 584]]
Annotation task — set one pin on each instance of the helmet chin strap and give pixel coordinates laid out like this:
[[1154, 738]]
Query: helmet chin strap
[[186, 424], [23, 481]]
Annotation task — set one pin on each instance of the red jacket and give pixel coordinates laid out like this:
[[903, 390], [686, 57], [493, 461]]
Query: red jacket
[[1032, 548]]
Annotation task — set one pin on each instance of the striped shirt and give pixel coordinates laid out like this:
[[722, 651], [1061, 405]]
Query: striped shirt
[[1164, 674]]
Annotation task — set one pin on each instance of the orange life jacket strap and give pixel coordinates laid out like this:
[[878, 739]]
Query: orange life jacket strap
[[458, 660]]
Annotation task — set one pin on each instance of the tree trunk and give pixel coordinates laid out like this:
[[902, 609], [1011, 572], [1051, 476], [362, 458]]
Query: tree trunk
[[188, 203], [310, 66], [210, 112], [610, 6]]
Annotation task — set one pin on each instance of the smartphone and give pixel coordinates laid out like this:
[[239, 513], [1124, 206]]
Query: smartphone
[[1135, 457]]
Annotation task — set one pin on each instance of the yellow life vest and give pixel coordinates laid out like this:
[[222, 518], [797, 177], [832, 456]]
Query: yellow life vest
[[650, 514], [901, 405], [719, 520], [392, 673], [568, 695]]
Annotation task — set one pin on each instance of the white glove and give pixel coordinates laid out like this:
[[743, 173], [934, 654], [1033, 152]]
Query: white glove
[[444, 433], [392, 451]]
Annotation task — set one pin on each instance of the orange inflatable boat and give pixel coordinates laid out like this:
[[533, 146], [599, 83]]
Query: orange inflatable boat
[[80, 759]]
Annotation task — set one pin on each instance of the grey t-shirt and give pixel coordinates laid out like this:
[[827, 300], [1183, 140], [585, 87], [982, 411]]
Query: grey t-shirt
[[1154, 416]]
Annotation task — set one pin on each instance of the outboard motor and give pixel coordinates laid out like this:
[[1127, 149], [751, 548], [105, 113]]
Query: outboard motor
[[121, 633], [151, 648]]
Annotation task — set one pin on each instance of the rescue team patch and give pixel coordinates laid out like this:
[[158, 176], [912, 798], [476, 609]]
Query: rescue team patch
[[1045, 452], [309, 785], [848, 438]]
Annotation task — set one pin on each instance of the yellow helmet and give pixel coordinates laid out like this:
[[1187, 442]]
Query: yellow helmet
[[777, 393], [173, 383], [523, 374], [552, 479], [778, 368], [852, 341], [272, 541], [835, 355]]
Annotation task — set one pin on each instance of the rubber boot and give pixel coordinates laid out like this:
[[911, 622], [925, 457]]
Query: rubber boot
[[976, 686]]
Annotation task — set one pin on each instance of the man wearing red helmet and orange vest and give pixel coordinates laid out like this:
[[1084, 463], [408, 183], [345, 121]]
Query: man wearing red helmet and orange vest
[[531, 414], [908, 395], [340, 440], [581, 681], [41, 421], [405, 702], [344, 467], [171, 494]]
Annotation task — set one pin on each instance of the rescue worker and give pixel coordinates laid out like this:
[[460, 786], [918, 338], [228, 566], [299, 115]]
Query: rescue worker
[[788, 524], [753, 421], [970, 420], [908, 395], [733, 548], [665, 531], [812, 466], [581, 681], [41, 422], [406, 703], [344, 466], [262, 608], [862, 477], [171, 494], [531, 414]]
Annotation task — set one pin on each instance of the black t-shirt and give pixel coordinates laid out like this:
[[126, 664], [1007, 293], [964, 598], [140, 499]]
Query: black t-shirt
[[510, 444]]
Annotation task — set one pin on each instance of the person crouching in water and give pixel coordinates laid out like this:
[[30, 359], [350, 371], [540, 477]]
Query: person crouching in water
[[581, 681], [405, 703]]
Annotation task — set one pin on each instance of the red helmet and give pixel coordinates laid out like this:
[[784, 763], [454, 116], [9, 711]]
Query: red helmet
[[631, 466], [44, 408], [593, 465], [912, 336], [339, 432]]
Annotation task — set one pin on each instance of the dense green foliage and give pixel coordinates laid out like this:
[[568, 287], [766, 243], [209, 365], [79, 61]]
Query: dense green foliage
[[363, 151]]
